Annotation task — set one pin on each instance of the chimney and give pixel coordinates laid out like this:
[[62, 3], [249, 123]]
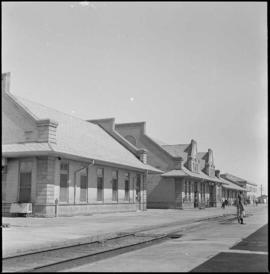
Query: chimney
[[179, 163], [143, 155], [47, 130], [210, 157], [193, 151], [217, 173], [5, 82]]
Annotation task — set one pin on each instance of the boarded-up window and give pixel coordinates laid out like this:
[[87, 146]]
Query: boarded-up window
[[115, 185], [100, 186], [127, 187], [64, 169], [83, 187], [25, 181]]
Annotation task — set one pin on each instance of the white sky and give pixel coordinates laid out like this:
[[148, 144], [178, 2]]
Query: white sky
[[190, 70]]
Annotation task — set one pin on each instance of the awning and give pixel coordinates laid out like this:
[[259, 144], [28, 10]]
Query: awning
[[229, 185], [184, 172]]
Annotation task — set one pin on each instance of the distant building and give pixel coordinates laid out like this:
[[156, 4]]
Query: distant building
[[62, 165], [263, 199], [250, 192], [230, 191]]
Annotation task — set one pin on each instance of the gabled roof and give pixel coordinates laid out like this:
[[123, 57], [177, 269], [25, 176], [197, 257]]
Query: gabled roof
[[230, 185], [159, 142], [202, 159], [81, 138], [184, 172], [202, 155], [179, 150], [232, 178]]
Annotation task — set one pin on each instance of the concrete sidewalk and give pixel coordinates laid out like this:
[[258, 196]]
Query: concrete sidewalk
[[251, 255], [30, 234]]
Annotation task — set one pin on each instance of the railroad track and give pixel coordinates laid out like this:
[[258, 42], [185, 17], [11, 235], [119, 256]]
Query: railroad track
[[78, 254]]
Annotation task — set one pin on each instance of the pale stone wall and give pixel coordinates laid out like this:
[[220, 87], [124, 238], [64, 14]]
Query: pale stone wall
[[45, 180], [12, 181], [161, 192], [17, 126]]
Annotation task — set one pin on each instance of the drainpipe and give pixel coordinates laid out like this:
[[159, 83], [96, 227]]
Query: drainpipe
[[75, 172]]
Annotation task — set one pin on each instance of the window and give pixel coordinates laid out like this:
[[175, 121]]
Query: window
[[138, 187], [100, 184], [25, 181], [127, 187], [83, 186], [115, 185], [64, 169]]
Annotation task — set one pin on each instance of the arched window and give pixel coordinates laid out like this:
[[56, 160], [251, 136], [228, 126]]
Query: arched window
[[131, 139]]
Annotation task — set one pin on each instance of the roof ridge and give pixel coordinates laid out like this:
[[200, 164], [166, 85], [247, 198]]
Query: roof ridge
[[59, 111]]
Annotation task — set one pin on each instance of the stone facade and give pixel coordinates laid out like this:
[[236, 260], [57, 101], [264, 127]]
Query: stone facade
[[34, 177], [45, 188]]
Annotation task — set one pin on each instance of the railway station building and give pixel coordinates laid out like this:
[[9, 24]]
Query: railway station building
[[55, 164], [249, 189], [189, 179]]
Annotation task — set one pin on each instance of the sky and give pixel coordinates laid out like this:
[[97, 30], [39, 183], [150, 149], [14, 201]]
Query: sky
[[190, 70]]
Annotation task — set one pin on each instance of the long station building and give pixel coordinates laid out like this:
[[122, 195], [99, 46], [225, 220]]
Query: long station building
[[55, 164]]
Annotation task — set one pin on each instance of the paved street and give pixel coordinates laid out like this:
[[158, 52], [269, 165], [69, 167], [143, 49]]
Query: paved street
[[196, 246], [250, 255], [31, 234]]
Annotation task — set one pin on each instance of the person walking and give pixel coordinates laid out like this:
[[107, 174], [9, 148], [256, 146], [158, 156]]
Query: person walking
[[240, 207], [223, 205]]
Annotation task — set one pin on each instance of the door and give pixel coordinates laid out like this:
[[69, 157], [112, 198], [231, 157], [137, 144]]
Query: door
[[178, 193], [196, 195], [211, 196], [25, 187], [25, 181]]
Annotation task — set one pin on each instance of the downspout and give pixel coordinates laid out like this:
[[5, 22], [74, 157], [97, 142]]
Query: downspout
[[75, 172]]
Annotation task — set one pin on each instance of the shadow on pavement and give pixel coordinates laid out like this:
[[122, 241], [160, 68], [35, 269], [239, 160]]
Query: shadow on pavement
[[241, 262]]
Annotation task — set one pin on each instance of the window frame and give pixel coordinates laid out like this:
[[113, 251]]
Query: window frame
[[64, 171], [84, 174], [100, 191], [25, 171], [127, 181], [115, 183]]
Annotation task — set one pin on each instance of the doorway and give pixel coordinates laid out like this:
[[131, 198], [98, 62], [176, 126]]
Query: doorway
[[138, 190], [25, 182], [196, 195]]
